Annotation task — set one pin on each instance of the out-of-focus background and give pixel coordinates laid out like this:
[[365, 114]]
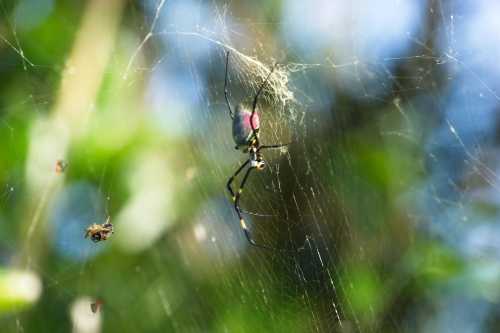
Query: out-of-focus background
[[383, 209]]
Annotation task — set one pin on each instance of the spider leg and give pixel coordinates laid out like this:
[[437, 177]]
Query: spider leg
[[231, 113], [231, 179], [256, 214], [231, 191], [239, 211], [255, 100], [272, 146]]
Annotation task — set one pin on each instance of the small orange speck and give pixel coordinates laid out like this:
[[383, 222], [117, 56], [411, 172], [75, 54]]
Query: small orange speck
[[61, 166]]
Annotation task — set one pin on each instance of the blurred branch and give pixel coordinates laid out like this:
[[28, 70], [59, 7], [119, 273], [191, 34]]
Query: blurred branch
[[80, 82]]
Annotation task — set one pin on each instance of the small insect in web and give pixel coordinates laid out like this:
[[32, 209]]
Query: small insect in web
[[61, 166], [98, 232], [94, 307], [246, 127]]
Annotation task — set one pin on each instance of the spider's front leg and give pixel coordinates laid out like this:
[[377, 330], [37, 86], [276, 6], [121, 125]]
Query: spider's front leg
[[231, 179], [239, 210]]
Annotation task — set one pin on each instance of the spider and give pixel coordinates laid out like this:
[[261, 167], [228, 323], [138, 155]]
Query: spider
[[98, 232], [246, 126]]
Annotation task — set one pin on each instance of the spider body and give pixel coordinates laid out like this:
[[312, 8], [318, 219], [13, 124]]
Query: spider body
[[98, 232], [246, 126], [242, 129]]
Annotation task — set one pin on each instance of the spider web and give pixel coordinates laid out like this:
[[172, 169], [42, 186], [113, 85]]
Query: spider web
[[386, 198]]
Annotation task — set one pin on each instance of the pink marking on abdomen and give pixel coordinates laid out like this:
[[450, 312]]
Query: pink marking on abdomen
[[256, 120]]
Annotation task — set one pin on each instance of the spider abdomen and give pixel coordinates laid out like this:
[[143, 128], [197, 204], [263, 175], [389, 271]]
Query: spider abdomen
[[242, 130]]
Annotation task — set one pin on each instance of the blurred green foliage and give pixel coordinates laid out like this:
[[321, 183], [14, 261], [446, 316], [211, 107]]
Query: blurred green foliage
[[345, 186]]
